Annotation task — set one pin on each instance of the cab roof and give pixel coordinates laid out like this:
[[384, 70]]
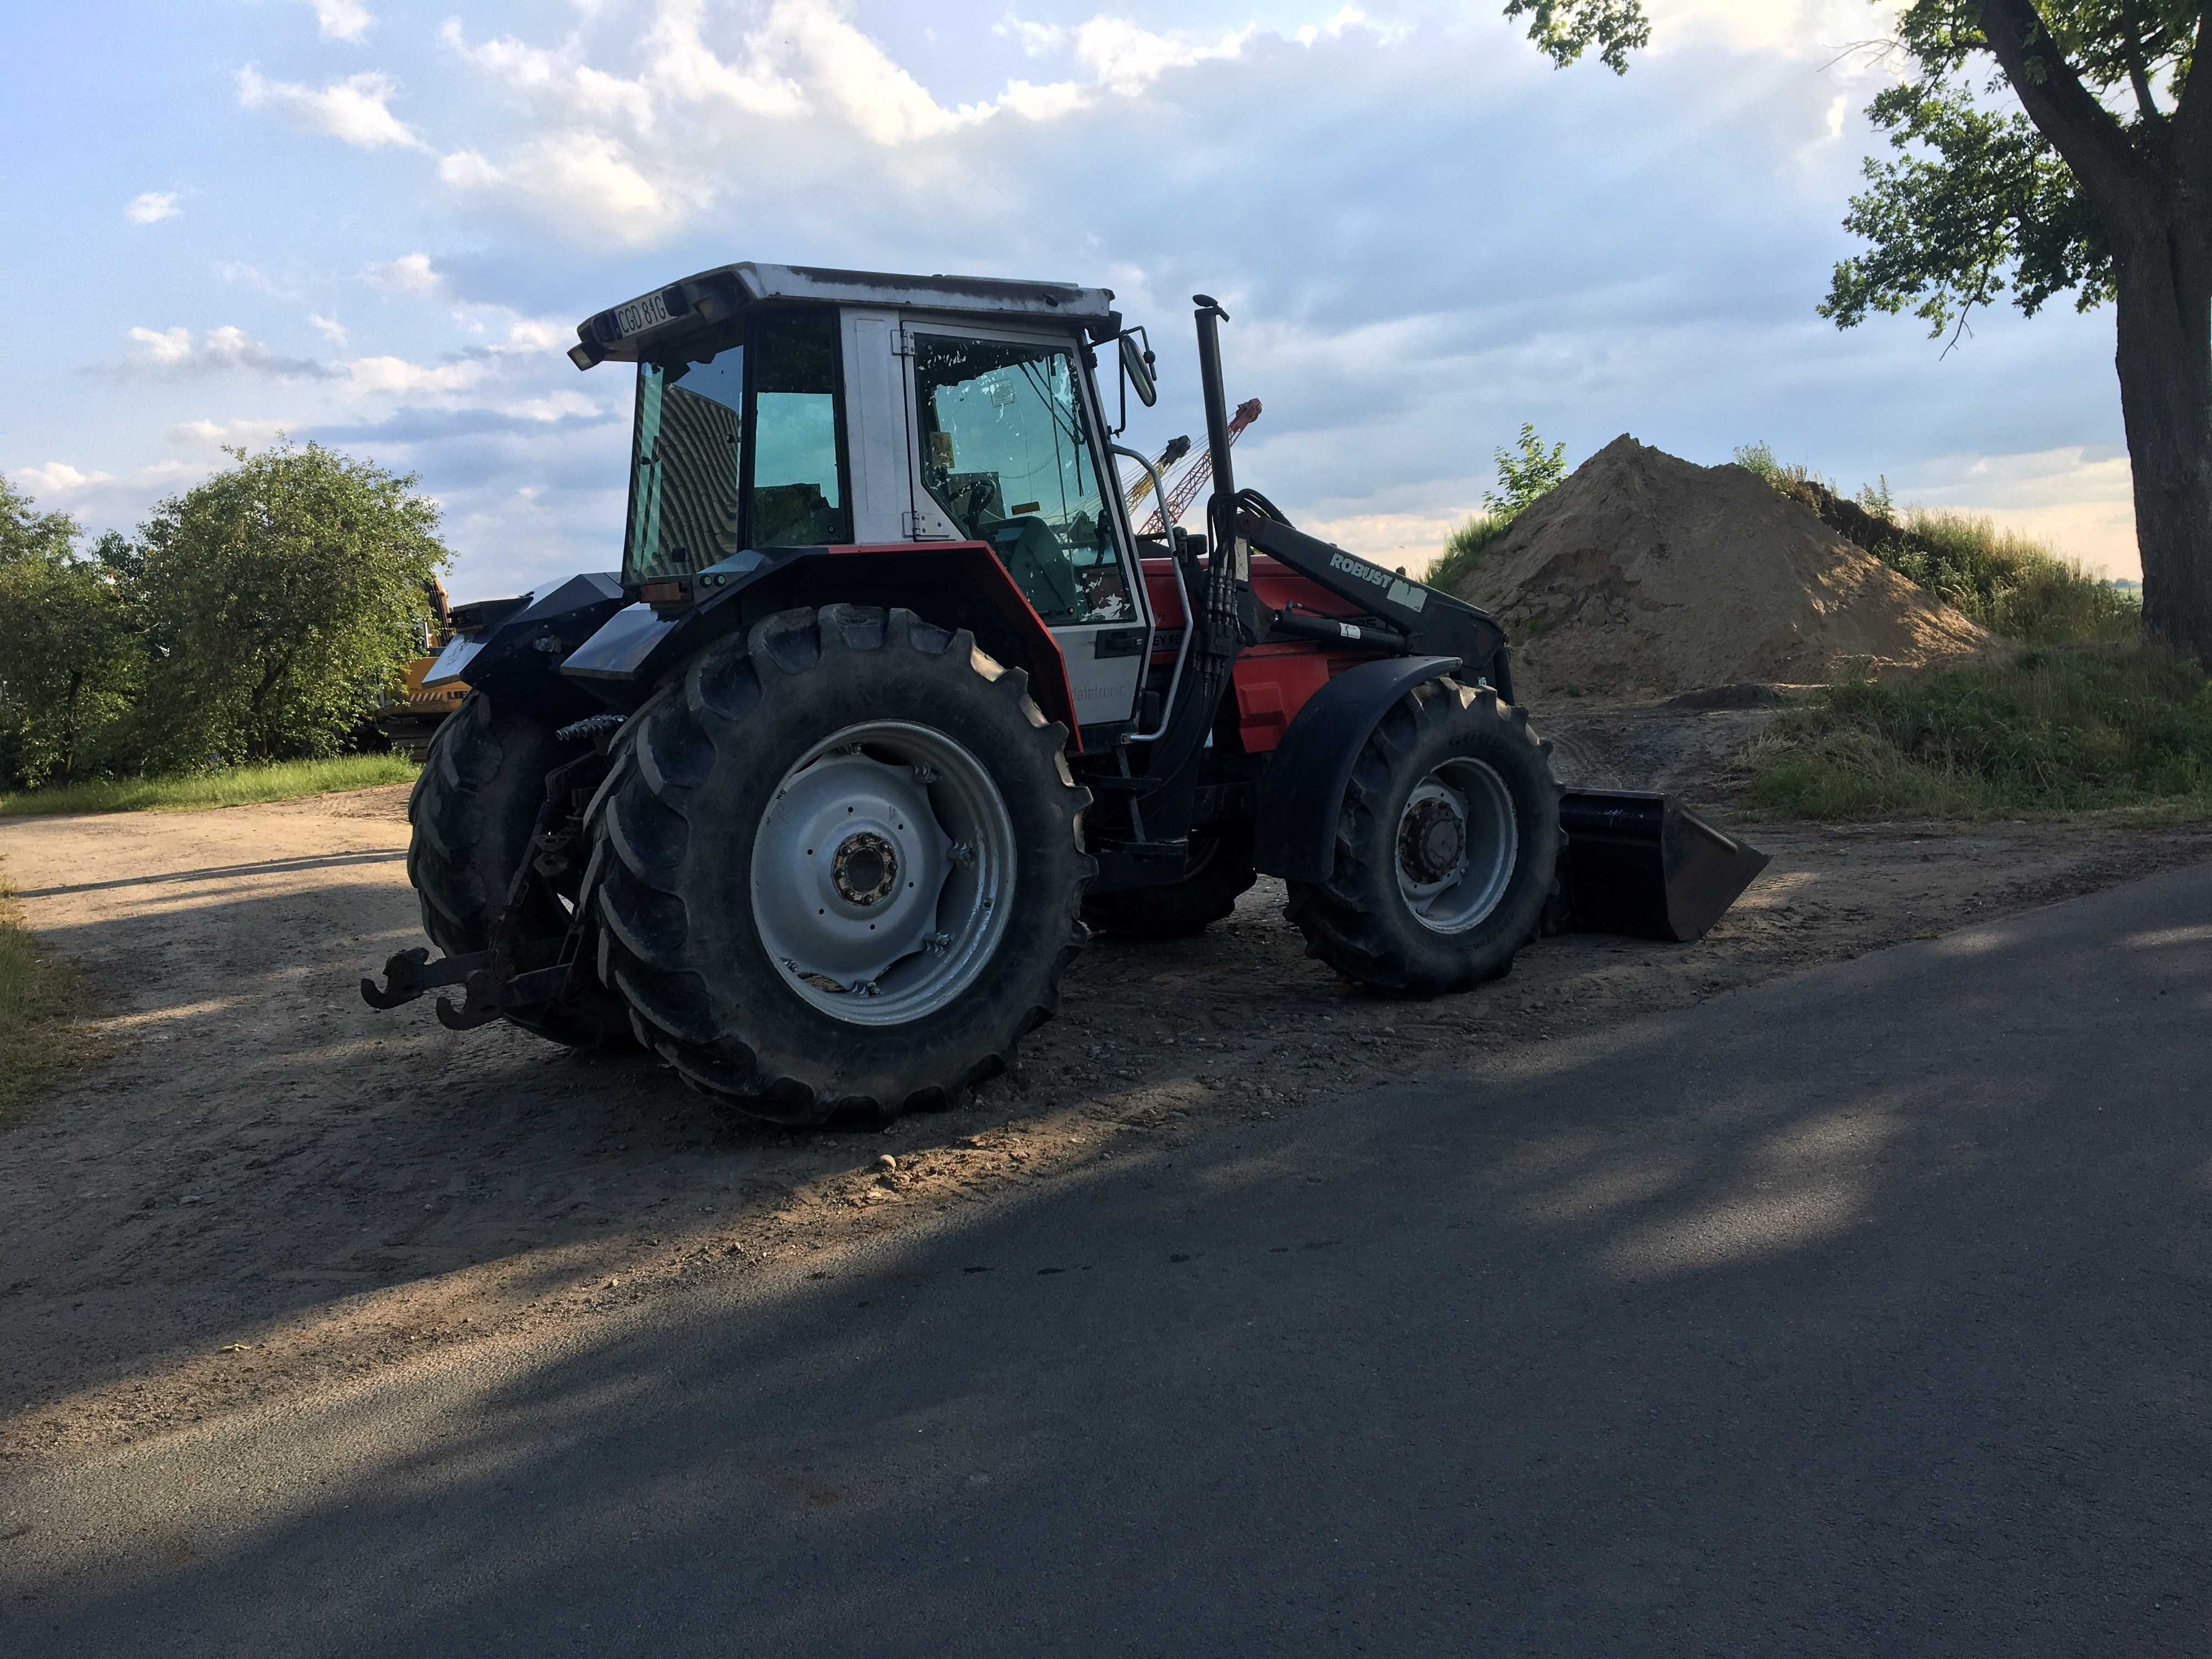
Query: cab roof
[[625, 332]]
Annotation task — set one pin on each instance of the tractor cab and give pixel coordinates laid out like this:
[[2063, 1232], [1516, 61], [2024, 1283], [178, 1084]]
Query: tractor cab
[[788, 413]]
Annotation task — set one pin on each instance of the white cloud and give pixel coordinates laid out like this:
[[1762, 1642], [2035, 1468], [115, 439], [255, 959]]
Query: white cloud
[[355, 110], [1045, 103], [576, 88], [467, 169], [686, 68], [215, 433], [540, 334], [59, 478], [233, 270], [1126, 58], [1350, 18], [554, 406], [172, 352], [411, 273], [587, 181], [397, 374], [1802, 27], [330, 328], [341, 20], [152, 207], [853, 73], [1036, 39], [168, 345]]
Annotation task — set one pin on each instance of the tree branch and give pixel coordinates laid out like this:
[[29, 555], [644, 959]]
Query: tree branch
[[2138, 71], [2080, 128], [2192, 117]]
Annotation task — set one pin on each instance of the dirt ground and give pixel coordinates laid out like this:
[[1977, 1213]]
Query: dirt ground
[[263, 1183]]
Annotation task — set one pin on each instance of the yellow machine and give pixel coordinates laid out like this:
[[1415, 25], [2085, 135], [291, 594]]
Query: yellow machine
[[411, 717]]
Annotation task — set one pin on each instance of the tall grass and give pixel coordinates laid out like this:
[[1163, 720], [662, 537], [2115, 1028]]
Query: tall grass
[[2011, 584], [2049, 730], [38, 995], [237, 786], [1465, 550]]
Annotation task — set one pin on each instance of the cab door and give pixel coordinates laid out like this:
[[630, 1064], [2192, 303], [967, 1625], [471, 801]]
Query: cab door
[[1007, 450]]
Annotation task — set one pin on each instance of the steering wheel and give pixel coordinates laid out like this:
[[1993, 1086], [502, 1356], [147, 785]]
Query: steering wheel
[[972, 501]]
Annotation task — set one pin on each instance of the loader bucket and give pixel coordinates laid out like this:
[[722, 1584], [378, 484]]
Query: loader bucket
[[1646, 865]]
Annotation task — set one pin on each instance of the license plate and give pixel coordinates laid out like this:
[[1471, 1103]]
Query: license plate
[[640, 314]]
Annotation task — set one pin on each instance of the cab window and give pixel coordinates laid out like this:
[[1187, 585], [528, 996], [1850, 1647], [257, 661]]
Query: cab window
[[797, 499], [1008, 455]]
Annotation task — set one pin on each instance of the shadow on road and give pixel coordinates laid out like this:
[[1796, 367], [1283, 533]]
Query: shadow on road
[[227, 872], [1855, 1313]]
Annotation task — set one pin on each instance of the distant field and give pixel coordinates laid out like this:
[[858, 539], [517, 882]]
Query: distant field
[[238, 786]]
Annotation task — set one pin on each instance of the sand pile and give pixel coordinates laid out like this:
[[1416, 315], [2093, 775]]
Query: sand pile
[[1646, 573]]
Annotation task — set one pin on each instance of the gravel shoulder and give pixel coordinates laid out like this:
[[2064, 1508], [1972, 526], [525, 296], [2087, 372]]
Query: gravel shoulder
[[266, 1185]]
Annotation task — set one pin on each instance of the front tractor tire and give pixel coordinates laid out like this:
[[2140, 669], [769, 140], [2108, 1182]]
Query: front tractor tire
[[473, 811], [838, 866], [1447, 846]]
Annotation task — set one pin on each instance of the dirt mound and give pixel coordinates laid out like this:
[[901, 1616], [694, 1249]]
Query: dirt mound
[[1644, 573]]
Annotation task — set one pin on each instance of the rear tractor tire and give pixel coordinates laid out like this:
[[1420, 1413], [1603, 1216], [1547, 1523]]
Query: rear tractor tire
[[473, 809], [1447, 846], [1183, 909], [838, 866]]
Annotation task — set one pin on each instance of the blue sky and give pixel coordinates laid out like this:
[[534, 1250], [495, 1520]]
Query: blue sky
[[376, 225]]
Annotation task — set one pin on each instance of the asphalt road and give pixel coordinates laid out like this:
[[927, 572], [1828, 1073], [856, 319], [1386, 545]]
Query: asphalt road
[[1867, 1311]]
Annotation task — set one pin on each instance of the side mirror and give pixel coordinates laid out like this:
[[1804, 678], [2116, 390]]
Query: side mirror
[[1137, 370]]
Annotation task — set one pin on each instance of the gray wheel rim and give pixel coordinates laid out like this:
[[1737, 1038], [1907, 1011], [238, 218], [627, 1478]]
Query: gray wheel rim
[[1456, 846], [882, 876]]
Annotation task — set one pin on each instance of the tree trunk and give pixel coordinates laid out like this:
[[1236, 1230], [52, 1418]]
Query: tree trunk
[[2164, 361]]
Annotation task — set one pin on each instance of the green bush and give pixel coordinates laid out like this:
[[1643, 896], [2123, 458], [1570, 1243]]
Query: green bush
[[2050, 730]]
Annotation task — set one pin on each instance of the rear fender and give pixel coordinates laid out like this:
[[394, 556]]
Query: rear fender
[[1301, 794], [953, 583], [513, 656]]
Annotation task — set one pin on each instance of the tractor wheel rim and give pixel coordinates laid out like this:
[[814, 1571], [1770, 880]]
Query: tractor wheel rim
[[1457, 844], [883, 874]]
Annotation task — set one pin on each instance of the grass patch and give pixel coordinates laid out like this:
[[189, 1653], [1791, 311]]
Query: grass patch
[[1465, 550], [2011, 584], [39, 996], [236, 786], [2077, 729]]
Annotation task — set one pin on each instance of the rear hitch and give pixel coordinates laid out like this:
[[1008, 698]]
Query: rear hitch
[[486, 996], [410, 973]]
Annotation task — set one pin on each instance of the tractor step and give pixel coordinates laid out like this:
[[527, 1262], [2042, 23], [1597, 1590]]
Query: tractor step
[[1645, 865]]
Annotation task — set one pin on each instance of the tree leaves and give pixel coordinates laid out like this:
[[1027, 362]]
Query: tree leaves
[[1564, 29], [288, 591], [1979, 204], [260, 616]]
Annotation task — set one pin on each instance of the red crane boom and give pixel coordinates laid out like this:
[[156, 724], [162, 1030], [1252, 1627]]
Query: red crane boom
[[1184, 490]]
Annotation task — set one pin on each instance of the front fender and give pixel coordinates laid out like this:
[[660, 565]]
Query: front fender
[[1301, 791]]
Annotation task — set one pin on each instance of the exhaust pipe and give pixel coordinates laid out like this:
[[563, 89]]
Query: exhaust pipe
[[1646, 865]]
